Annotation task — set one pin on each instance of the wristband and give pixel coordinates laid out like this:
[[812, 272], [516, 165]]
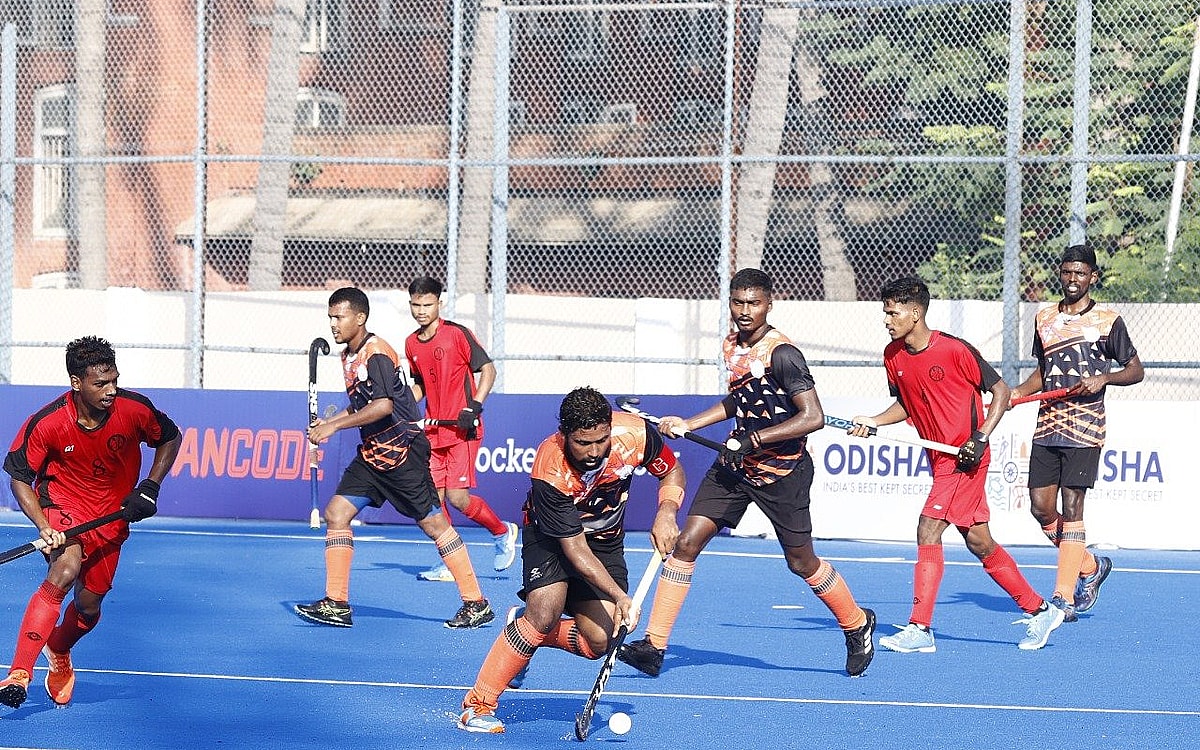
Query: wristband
[[670, 493]]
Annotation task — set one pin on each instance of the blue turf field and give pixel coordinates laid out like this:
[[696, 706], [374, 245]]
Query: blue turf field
[[198, 648]]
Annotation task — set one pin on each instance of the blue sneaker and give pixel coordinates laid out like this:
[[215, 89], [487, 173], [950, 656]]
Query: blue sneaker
[[1039, 625], [519, 679], [1087, 589], [1068, 609], [912, 639], [506, 546], [437, 573]]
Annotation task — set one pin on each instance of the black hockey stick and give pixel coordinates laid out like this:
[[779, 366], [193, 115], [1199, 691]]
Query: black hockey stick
[[583, 720], [318, 347], [629, 404], [39, 543]]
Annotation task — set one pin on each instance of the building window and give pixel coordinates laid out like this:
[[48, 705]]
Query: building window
[[51, 140], [586, 34], [324, 23], [318, 108], [700, 37], [49, 24]]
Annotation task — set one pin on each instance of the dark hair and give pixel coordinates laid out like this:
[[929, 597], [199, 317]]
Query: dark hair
[[906, 291], [356, 297], [1080, 254], [89, 351], [583, 409], [425, 285], [751, 278]]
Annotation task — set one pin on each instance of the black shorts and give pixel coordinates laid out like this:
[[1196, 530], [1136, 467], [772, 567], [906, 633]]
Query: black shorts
[[543, 563], [408, 487], [723, 498], [1063, 467]]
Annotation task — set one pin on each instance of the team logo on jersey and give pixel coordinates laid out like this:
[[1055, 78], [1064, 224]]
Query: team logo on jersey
[[117, 442], [69, 449], [936, 373]]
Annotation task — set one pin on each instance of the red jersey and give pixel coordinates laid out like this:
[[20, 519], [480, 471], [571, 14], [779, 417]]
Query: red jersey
[[563, 502], [1070, 348], [941, 387], [87, 472], [763, 378], [445, 367], [374, 372]]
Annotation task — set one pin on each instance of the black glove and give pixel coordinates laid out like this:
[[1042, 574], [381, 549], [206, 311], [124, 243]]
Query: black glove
[[142, 502], [971, 452], [468, 419], [734, 453]]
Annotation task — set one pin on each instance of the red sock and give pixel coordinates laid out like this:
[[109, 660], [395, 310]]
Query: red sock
[[927, 579], [73, 627], [481, 513], [40, 615], [1003, 570]]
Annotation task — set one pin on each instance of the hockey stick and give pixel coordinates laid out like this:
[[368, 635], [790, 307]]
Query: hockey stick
[[39, 543], [629, 404], [1044, 396], [846, 424], [583, 720], [318, 347]]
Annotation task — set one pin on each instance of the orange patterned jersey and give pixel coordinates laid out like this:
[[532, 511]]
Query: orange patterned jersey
[[563, 501], [371, 373], [763, 378], [1070, 348]]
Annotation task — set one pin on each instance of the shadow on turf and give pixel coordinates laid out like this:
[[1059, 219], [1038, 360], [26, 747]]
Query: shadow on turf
[[363, 611], [679, 657]]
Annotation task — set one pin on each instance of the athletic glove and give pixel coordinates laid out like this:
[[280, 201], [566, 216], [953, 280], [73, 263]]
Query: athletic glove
[[971, 452], [733, 455], [142, 502], [468, 419]]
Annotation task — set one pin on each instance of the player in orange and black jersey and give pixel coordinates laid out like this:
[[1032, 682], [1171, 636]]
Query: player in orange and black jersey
[[1076, 343], [573, 556], [937, 381], [75, 460], [773, 401], [392, 465]]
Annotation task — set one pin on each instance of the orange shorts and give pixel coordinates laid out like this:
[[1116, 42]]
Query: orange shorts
[[101, 548], [958, 498], [453, 466]]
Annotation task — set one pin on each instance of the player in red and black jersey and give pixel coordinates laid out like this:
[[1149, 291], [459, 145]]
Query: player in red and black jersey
[[444, 358], [1076, 343], [573, 555], [938, 381], [75, 460], [392, 465], [773, 401]]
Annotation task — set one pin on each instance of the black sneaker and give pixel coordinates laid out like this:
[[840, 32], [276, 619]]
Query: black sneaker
[[860, 649], [642, 656], [472, 615], [326, 612]]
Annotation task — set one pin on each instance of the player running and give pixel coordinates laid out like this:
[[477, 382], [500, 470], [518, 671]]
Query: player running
[[77, 459], [773, 400], [573, 556], [444, 358], [937, 381], [1076, 343], [392, 465]]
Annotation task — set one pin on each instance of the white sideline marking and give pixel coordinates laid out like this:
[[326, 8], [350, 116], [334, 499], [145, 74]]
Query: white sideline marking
[[674, 696]]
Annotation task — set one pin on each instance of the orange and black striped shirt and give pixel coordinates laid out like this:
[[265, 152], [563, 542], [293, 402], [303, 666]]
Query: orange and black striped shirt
[[374, 372]]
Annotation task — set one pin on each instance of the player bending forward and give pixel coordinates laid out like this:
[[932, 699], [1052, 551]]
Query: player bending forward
[[75, 460], [573, 557]]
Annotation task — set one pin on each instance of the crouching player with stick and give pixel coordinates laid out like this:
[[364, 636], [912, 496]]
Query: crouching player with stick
[[76, 459], [573, 556]]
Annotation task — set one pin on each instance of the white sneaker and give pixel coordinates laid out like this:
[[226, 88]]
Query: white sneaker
[[506, 546], [912, 638], [1039, 626], [437, 573]]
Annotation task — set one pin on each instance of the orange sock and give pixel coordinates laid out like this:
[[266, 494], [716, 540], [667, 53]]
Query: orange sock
[[40, 615], [339, 553], [481, 513], [674, 582], [1089, 566], [927, 579], [454, 553], [831, 588], [1071, 552], [1054, 531], [510, 653], [565, 635]]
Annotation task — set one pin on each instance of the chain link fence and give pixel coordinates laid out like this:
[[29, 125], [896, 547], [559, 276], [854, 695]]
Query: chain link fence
[[191, 179]]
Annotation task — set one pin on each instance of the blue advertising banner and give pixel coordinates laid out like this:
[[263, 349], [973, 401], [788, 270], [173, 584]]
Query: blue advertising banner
[[244, 453]]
